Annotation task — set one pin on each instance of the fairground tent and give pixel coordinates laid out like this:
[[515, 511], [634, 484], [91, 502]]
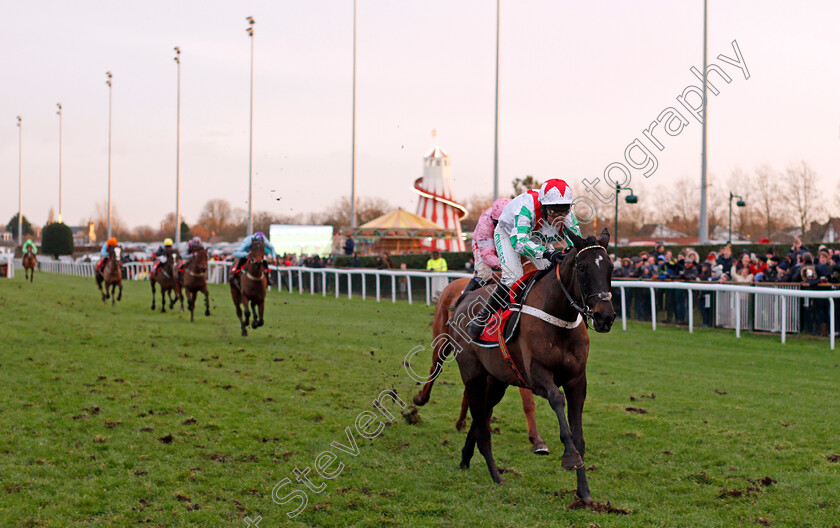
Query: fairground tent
[[398, 232]]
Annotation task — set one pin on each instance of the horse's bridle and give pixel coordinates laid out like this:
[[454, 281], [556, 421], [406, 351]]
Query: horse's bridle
[[603, 296]]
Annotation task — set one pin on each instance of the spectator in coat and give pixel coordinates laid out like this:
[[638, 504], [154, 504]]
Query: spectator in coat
[[797, 248], [823, 269], [724, 259], [689, 271]]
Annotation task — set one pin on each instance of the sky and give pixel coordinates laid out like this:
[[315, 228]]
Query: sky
[[579, 81]]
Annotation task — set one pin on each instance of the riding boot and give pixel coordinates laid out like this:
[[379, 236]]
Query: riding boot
[[474, 283], [497, 299], [238, 267]]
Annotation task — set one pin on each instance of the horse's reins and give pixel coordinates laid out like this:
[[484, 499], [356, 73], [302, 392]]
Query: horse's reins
[[603, 296]]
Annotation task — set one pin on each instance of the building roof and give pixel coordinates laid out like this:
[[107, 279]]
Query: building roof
[[820, 232], [658, 231], [436, 152], [400, 219]]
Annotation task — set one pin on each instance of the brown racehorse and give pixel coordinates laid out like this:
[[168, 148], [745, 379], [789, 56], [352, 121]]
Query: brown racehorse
[[549, 352], [29, 263], [445, 306], [165, 277], [193, 278], [111, 276], [249, 287]]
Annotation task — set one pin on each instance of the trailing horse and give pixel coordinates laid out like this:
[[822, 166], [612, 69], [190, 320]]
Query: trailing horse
[[111, 276], [249, 287], [164, 275], [29, 263], [193, 278], [549, 352], [448, 301]]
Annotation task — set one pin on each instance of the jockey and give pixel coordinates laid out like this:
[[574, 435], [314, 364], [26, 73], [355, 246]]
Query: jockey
[[29, 244], [529, 226], [193, 246], [104, 252], [484, 249], [163, 252], [245, 247]]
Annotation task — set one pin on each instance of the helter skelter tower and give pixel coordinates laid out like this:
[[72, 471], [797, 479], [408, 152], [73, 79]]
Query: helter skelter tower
[[436, 203]]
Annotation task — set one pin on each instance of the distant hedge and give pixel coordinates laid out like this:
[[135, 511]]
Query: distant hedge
[[704, 250], [455, 260]]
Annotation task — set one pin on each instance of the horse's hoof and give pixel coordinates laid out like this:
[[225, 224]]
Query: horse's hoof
[[572, 461], [465, 465], [461, 425], [501, 482], [540, 448], [419, 399], [207, 313]]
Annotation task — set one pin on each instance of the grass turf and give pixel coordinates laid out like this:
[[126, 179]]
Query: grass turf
[[125, 417]]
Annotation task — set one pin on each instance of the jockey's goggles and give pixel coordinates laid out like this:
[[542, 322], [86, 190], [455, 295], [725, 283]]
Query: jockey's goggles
[[558, 209]]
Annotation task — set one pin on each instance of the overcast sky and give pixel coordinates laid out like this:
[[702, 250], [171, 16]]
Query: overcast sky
[[579, 82]]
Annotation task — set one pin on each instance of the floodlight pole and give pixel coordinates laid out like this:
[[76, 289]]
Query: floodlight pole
[[496, 121], [178, 156], [110, 113], [20, 181], [250, 31], [704, 220], [353, 145], [59, 160]]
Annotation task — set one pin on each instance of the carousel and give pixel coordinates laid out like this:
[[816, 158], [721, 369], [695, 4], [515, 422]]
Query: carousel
[[399, 232]]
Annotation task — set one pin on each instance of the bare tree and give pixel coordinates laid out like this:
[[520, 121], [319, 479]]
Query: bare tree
[[679, 205], [100, 220], [520, 185], [338, 215], [264, 219], [768, 202], [717, 202], [216, 216], [801, 192], [476, 205], [144, 233]]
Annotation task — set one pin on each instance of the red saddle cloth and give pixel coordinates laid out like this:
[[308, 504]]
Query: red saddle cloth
[[499, 319]]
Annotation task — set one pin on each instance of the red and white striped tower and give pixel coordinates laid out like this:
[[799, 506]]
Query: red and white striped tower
[[436, 203]]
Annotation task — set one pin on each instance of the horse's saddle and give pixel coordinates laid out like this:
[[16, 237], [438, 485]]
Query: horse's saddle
[[507, 320]]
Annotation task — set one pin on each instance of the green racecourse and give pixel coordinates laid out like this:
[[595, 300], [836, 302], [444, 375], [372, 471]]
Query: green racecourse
[[125, 417]]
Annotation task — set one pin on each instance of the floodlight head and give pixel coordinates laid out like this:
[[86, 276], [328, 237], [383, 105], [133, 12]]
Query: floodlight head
[[741, 203], [631, 199]]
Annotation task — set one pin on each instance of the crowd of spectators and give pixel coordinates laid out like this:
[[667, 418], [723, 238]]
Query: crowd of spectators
[[799, 265]]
